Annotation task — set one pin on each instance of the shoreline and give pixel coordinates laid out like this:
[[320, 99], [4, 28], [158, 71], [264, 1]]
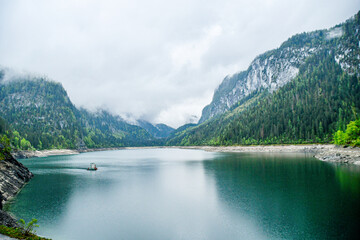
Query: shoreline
[[13, 177], [43, 153], [323, 152]]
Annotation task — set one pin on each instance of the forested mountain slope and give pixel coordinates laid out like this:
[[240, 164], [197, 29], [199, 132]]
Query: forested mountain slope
[[301, 92], [275, 68], [40, 115], [305, 107], [157, 130]]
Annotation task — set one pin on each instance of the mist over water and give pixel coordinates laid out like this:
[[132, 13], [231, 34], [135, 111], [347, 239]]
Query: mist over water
[[190, 194]]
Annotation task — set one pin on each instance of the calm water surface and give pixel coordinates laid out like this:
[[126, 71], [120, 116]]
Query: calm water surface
[[190, 194]]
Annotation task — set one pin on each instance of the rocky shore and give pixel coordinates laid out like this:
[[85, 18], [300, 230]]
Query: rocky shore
[[58, 152], [323, 152], [338, 154], [43, 153], [13, 176]]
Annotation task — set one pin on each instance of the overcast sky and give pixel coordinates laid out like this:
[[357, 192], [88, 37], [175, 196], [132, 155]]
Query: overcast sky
[[158, 60]]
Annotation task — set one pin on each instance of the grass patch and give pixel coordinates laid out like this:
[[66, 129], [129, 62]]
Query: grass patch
[[18, 233]]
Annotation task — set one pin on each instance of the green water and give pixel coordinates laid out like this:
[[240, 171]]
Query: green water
[[190, 194]]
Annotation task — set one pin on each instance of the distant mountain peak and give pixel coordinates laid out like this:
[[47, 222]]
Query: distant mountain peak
[[156, 130]]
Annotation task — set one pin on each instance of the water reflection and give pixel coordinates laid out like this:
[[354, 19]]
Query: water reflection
[[190, 194], [291, 197], [348, 177], [40, 207]]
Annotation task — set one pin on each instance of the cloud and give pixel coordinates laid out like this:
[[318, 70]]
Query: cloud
[[191, 54], [153, 59]]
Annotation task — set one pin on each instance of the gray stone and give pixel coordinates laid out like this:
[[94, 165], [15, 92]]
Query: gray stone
[[13, 176], [7, 220]]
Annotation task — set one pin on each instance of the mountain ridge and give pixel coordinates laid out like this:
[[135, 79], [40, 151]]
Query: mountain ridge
[[308, 68], [41, 115], [274, 68], [334, 63], [158, 131]]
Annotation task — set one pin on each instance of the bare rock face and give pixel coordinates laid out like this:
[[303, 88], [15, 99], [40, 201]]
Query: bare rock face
[[273, 69], [13, 176], [270, 71], [7, 220]]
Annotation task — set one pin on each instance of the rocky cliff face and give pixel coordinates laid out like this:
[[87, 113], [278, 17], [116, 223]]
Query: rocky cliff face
[[273, 69], [13, 176], [270, 71]]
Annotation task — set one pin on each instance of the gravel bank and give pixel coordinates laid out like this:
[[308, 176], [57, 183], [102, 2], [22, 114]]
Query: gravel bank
[[323, 152], [43, 153]]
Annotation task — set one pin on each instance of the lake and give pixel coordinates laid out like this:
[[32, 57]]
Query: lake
[[190, 194]]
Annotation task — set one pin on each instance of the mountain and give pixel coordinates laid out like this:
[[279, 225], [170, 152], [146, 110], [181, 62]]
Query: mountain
[[273, 69], [178, 132], [301, 92], [103, 129], [158, 130], [41, 115]]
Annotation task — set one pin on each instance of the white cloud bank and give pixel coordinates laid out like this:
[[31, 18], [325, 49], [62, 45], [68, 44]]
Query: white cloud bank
[[153, 59]]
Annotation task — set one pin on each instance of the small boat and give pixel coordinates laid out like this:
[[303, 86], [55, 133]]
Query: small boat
[[92, 167]]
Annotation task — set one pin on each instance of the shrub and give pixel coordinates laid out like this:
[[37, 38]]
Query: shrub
[[351, 135], [18, 234], [27, 229]]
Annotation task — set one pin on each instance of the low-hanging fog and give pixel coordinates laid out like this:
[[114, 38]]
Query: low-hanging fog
[[156, 60]]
